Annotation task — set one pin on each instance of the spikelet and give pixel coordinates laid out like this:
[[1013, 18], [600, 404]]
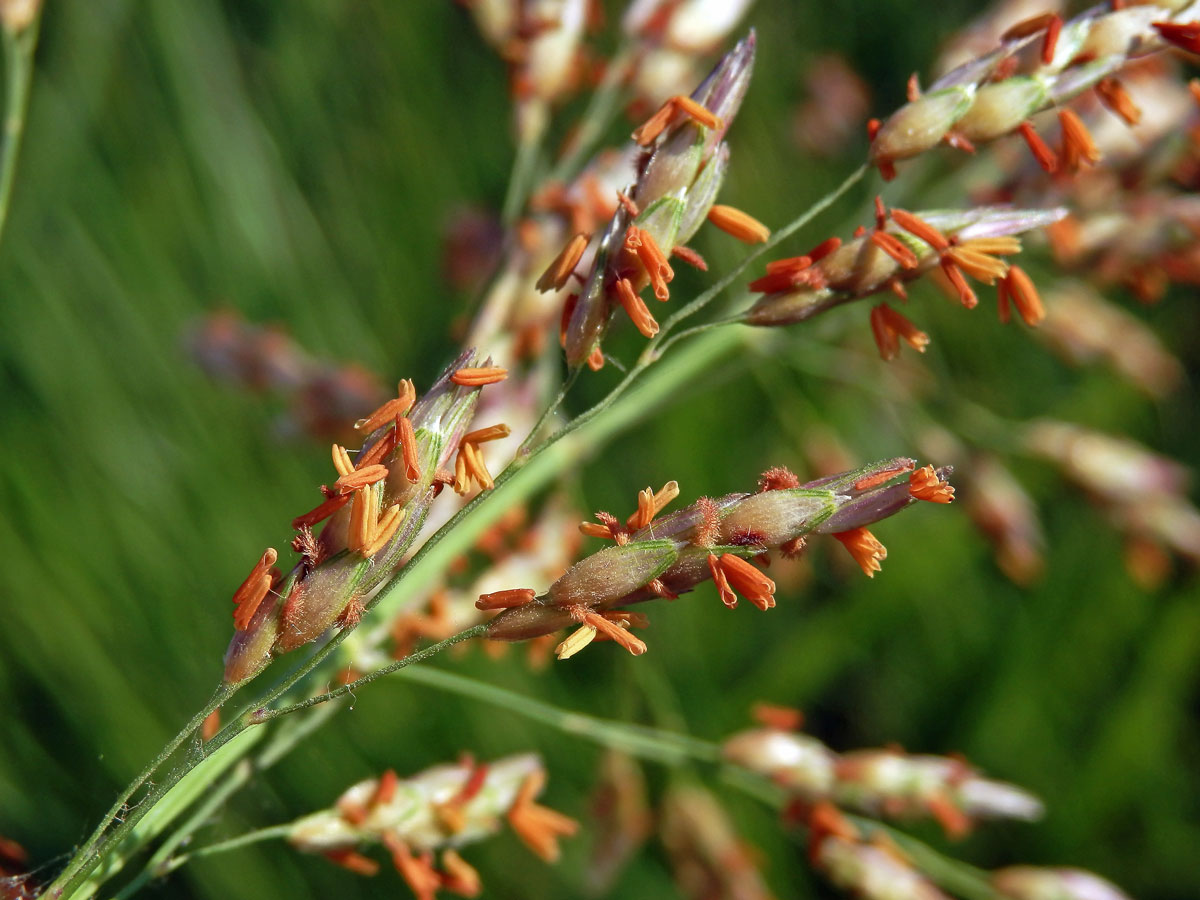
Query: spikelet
[[903, 247], [711, 540], [996, 93], [437, 810], [887, 783], [678, 180], [374, 513]]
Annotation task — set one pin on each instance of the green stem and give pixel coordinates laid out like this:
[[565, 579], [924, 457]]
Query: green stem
[[250, 837], [523, 450], [665, 747], [158, 864], [87, 857], [287, 735], [473, 632], [776, 238], [18, 79]]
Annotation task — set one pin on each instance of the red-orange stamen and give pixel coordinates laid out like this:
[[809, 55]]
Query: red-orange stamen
[[568, 310], [322, 512], [1113, 95], [251, 592], [924, 484], [459, 876], [645, 133], [783, 718], [505, 599], [479, 375], [1024, 296], [353, 860], [748, 581], [657, 123], [1002, 302], [636, 309], [919, 228], [728, 597], [653, 260], [1050, 41], [1077, 144], [1046, 158], [490, 433], [791, 265], [865, 548], [887, 168], [877, 478], [786, 279], [397, 406], [699, 114], [379, 450], [740, 225], [691, 257], [892, 246], [408, 450], [1185, 35], [538, 826], [958, 281], [885, 338], [650, 504], [881, 214], [1026, 27], [359, 478], [612, 630], [559, 271], [418, 872], [901, 325], [823, 249], [386, 789], [597, 530]]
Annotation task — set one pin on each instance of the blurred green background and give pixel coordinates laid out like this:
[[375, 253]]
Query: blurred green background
[[297, 161]]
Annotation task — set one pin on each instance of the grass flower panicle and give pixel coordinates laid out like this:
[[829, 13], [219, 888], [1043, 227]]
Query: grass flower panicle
[[678, 178], [902, 247], [887, 783], [712, 539], [1034, 883], [873, 868], [438, 810], [1040, 63], [373, 515], [708, 857]]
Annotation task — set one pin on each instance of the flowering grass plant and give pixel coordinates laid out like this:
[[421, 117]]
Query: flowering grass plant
[[653, 295]]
